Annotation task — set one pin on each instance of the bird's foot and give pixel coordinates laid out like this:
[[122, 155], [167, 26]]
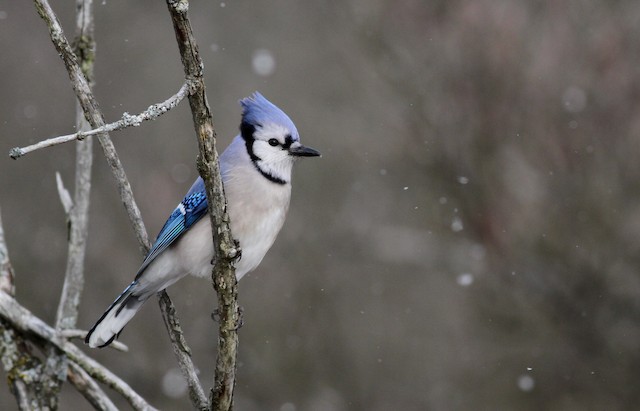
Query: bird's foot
[[240, 320], [236, 254]]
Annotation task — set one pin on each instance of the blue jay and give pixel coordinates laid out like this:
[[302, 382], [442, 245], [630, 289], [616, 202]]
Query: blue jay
[[256, 173]]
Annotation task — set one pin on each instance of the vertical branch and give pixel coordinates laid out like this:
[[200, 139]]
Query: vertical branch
[[94, 116], [55, 370], [25, 374], [224, 279], [24, 370], [9, 340], [6, 271], [79, 213], [39, 334]]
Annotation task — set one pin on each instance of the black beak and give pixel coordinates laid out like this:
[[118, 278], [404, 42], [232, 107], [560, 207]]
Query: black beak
[[302, 151]]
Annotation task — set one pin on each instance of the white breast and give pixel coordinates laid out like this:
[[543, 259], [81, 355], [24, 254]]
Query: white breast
[[257, 208]]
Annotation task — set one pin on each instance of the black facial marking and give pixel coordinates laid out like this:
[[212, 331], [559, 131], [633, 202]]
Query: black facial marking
[[271, 177], [246, 131], [288, 140]]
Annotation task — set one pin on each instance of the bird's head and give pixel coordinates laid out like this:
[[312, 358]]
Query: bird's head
[[271, 139]]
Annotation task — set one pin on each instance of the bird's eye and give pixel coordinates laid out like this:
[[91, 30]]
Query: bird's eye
[[273, 142]]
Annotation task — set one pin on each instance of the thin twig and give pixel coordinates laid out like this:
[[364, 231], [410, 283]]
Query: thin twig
[[6, 271], [127, 120], [182, 353], [57, 364], [223, 274], [20, 391], [94, 116], [19, 366], [63, 193], [72, 333], [78, 213], [24, 370], [78, 225], [89, 389], [24, 321]]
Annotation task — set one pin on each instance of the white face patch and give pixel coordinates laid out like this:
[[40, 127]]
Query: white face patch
[[271, 130], [274, 160]]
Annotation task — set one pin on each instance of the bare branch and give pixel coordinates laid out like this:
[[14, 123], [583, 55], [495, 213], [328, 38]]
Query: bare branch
[[19, 389], [6, 271], [65, 197], [24, 321], [127, 120], [57, 364], [23, 370], [32, 387], [12, 311], [78, 214], [223, 275], [72, 333], [94, 116], [182, 353], [89, 389]]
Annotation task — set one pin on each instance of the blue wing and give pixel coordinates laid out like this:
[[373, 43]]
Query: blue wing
[[188, 212]]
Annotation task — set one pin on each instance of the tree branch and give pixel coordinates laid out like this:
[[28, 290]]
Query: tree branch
[[223, 275], [78, 215], [56, 369], [127, 120], [13, 361], [71, 333], [6, 271], [93, 115], [29, 381], [23, 370], [89, 389], [182, 353], [23, 321]]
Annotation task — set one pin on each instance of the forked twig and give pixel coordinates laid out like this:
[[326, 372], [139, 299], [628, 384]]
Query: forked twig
[[127, 120]]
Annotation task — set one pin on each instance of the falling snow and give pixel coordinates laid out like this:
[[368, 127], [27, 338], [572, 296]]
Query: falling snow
[[574, 99], [456, 224], [465, 279], [526, 383], [288, 406], [173, 384], [264, 64]]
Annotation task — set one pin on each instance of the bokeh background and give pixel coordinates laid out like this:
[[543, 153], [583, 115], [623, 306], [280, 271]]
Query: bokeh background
[[469, 240]]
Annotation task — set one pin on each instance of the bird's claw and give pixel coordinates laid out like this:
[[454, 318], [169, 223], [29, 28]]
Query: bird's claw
[[240, 320], [237, 252]]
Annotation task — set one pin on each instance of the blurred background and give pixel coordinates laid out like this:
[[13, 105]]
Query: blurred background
[[468, 241]]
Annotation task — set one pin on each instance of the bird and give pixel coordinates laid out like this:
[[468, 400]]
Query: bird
[[256, 171]]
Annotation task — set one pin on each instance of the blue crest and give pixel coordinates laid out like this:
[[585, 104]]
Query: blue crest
[[257, 110]]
